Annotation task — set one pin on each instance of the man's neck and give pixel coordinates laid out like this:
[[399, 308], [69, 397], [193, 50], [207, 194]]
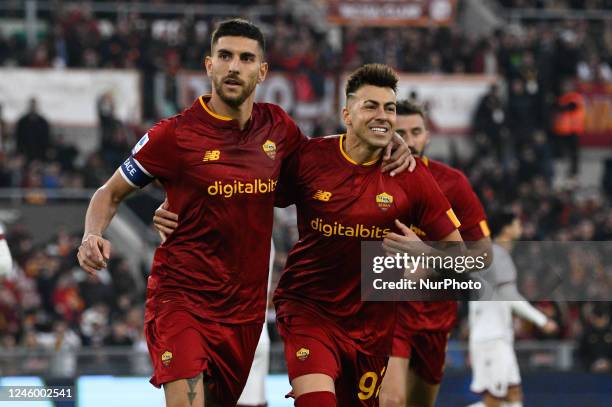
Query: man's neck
[[242, 113], [359, 151]]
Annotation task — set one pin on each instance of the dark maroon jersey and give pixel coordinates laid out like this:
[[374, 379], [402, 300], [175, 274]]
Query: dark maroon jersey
[[221, 181], [441, 315], [339, 205]]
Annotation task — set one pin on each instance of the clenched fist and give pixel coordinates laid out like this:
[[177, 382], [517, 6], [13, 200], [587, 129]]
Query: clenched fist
[[94, 252]]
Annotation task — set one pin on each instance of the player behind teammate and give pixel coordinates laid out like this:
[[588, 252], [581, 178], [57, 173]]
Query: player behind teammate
[[495, 372], [219, 162], [416, 365], [337, 346]]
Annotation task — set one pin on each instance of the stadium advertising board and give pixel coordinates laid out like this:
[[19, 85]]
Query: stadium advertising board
[[69, 97], [598, 101], [391, 12], [451, 100]]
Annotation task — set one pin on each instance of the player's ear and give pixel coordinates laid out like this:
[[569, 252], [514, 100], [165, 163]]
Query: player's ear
[[263, 71], [208, 65], [346, 116]]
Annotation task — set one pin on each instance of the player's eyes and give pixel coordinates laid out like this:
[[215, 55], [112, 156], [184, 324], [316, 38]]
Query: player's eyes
[[224, 57], [248, 58]]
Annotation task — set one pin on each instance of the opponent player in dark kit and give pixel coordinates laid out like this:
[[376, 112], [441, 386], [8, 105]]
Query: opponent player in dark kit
[[219, 162], [421, 334]]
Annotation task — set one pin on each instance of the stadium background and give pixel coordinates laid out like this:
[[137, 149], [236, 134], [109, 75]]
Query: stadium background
[[490, 72]]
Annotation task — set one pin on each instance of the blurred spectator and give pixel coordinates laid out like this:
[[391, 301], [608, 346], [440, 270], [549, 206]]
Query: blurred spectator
[[67, 300], [64, 153], [32, 134], [94, 325], [595, 348], [4, 136], [96, 289], [64, 342], [120, 335], [107, 120], [569, 124], [489, 120]]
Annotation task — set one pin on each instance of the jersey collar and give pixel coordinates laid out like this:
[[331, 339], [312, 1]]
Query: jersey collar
[[349, 159], [220, 120], [210, 112]]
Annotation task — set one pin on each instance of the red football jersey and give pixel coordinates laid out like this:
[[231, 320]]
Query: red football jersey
[[441, 315], [339, 205], [221, 181]]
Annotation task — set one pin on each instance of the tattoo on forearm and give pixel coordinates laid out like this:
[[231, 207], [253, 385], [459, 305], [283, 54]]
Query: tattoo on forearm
[[193, 382]]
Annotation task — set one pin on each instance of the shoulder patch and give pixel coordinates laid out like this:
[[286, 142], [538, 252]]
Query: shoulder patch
[[141, 143]]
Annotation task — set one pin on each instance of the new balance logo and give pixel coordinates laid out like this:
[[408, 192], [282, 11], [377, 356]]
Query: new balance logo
[[322, 195], [211, 155]]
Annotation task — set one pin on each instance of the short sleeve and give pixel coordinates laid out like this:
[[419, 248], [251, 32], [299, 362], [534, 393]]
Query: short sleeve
[[469, 210], [433, 213], [153, 157], [287, 191], [293, 135]]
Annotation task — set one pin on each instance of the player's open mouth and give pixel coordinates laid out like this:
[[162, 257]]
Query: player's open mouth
[[380, 130]]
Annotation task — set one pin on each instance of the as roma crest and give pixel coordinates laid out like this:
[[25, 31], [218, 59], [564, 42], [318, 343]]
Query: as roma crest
[[302, 354], [384, 201], [269, 147], [166, 358]]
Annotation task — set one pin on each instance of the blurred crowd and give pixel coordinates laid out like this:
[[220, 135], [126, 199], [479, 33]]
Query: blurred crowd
[[52, 304], [559, 4]]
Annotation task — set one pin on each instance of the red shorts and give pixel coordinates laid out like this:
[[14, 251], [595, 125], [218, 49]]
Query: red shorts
[[182, 346], [320, 347], [426, 351]]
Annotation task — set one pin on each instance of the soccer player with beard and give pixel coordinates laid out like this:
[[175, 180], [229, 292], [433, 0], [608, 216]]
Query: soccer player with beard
[[219, 162], [416, 365], [337, 346]]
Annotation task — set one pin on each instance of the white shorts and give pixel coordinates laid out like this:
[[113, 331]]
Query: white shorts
[[254, 393], [494, 367]]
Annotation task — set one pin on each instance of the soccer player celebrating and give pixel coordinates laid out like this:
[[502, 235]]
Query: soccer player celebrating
[[416, 365], [219, 162], [337, 346], [495, 372]]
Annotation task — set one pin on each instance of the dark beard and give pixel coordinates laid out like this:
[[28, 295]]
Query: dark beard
[[236, 101]]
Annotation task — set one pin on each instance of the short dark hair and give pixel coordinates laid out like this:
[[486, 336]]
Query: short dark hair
[[500, 219], [371, 74], [406, 107], [238, 27]]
